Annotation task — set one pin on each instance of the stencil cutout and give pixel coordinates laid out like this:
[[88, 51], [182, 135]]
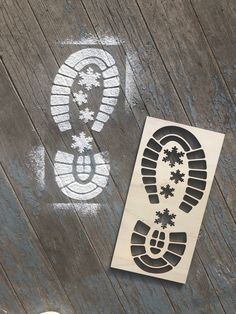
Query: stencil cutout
[[165, 218], [155, 251], [174, 156], [177, 176], [168, 193]]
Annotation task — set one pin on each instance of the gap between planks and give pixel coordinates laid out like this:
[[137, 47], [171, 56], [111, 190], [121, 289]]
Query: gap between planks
[[186, 116], [191, 123], [48, 262], [212, 53], [8, 280]]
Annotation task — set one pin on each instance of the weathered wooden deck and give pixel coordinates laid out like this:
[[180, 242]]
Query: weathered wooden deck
[[182, 56]]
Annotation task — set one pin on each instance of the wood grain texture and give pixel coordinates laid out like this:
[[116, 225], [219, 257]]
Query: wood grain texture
[[101, 231], [184, 50], [22, 256], [178, 67], [9, 300], [217, 19], [173, 148], [61, 234]]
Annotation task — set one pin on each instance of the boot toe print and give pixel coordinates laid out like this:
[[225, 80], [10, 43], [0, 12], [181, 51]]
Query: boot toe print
[[185, 147], [80, 66]]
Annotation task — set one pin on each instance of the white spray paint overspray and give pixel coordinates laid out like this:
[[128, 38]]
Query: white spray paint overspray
[[63, 82], [86, 209], [90, 39], [50, 312], [131, 90], [36, 162]]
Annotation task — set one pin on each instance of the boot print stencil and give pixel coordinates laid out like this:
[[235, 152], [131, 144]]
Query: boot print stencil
[[168, 193]]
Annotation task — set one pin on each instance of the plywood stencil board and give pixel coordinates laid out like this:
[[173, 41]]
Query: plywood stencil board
[[167, 198]]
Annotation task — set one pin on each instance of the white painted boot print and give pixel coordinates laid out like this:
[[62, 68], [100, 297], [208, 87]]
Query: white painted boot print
[[84, 175]]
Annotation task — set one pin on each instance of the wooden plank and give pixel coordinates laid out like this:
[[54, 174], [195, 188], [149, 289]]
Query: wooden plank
[[134, 33], [25, 264], [166, 104], [102, 229], [104, 17], [60, 232], [9, 301], [217, 19], [202, 92]]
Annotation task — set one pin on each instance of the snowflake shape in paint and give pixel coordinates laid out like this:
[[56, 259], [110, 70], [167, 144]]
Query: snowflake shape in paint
[[80, 98], [167, 191], [173, 156], [177, 176], [86, 115], [165, 218], [82, 142], [89, 79]]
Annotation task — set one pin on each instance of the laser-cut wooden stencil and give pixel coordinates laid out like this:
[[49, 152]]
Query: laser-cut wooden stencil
[[167, 197]]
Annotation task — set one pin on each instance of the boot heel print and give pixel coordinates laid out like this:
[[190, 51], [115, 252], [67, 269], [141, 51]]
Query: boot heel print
[[168, 193], [78, 177], [83, 175]]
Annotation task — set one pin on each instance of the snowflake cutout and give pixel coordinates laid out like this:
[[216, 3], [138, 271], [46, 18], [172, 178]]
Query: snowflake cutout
[[81, 142], [177, 176], [89, 79], [165, 218], [80, 98], [86, 115], [167, 191], [173, 156]]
